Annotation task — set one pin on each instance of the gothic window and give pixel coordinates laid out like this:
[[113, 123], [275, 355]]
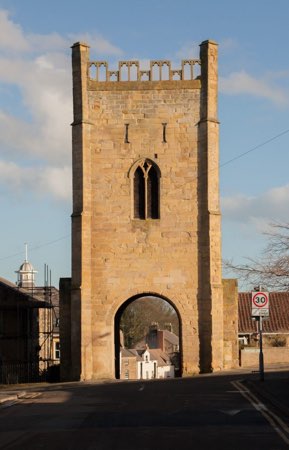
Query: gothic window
[[139, 194], [146, 191]]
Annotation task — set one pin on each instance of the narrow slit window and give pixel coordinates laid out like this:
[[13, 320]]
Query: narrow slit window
[[126, 133], [164, 132]]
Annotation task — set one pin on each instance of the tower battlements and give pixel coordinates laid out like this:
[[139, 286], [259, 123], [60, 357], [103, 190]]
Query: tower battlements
[[160, 70]]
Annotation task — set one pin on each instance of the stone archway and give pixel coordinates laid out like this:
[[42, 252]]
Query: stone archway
[[148, 297], [167, 242]]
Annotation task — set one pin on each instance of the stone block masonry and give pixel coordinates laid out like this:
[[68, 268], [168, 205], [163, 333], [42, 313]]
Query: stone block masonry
[[146, 215]]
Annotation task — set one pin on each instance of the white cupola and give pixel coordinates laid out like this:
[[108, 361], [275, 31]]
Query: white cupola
[[26, 273]]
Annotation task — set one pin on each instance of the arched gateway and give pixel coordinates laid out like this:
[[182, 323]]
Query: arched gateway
[[117, 326], [146, 214]]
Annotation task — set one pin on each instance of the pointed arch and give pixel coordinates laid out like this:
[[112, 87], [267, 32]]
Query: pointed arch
[[145, 188], [118, 312]]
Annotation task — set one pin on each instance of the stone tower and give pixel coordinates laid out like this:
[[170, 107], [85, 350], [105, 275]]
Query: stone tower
[[146, 213]]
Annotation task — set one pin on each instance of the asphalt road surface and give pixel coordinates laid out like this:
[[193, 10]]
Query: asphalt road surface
[[207, 412]]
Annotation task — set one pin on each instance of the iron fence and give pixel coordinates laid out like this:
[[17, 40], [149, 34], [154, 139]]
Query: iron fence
[[29, 372]]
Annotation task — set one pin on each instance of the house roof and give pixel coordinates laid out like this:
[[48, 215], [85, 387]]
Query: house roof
[[156, 354], [161, 357], [130, 353], [24, 297], [50, 294], [171, 337], [279, 313]]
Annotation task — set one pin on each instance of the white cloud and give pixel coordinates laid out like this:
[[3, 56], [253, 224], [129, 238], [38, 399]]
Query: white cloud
[[97, 43], [12, 38], [18, 134], [188, 50], [38, 180], [37, 132], [44, 130], [259, 210], [47, 42], [238, 83]]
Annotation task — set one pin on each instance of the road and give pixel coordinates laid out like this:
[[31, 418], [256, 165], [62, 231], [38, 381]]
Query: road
[[206, 412]]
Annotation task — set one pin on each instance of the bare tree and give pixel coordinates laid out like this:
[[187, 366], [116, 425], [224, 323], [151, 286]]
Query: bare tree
[[272, 269], [141, 313]]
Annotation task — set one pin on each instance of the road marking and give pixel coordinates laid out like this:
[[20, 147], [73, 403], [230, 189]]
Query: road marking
[[271, 417], [236, 392], [230, 412]]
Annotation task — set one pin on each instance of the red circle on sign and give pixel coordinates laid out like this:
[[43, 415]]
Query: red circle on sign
[[257, 303]]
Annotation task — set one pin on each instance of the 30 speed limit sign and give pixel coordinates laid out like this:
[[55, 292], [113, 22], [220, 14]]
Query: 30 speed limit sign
[[260, 304]]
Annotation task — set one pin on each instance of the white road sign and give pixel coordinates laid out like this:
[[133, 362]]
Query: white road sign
[[260, 304]]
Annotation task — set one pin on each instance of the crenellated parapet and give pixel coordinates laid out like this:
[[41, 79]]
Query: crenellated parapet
[[160, 70]]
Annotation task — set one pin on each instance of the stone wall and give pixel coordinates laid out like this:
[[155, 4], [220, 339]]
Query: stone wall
[[128, 368], [116, 257], [249, 357], [231, 347]]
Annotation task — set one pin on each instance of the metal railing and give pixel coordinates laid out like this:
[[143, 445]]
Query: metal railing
[[29, 372]]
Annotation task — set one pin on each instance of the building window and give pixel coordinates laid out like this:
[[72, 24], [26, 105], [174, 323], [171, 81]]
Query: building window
[[57, 350], [146, 182]]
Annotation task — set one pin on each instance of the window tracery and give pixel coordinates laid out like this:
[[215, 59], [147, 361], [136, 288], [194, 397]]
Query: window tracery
[[145, 190]]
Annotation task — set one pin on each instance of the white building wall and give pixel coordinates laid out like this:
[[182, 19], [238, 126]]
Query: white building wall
[[148, 369], [166, 372]]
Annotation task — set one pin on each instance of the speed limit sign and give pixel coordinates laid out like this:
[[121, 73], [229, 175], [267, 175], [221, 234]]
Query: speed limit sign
[[260, 304]]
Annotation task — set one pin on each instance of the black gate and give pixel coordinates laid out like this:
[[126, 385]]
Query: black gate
[[29, 372]]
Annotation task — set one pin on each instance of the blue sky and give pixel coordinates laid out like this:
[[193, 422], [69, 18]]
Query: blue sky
[[36, 110]]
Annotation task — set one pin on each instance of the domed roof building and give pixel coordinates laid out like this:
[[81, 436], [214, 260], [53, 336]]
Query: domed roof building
[[26, 274]]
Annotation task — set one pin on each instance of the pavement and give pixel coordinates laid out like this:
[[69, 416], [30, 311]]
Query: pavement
[[8, 397], [10, 394], [273, 391]]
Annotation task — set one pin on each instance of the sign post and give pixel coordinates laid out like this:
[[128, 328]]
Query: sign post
[[260, 309]]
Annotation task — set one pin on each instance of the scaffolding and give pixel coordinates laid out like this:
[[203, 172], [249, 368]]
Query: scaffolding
[[29, 332]]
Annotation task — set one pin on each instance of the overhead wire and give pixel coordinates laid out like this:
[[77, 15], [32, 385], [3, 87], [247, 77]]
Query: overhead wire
[[235, 158], [37, 247], [254, 148]]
